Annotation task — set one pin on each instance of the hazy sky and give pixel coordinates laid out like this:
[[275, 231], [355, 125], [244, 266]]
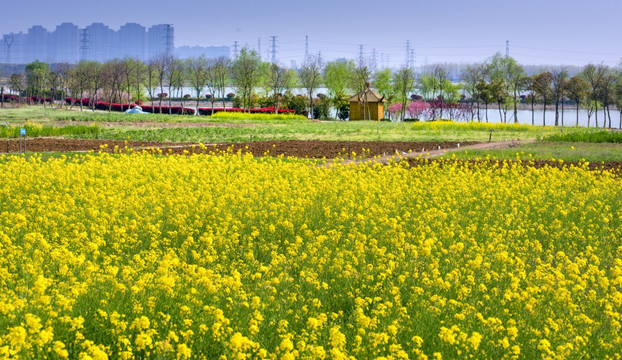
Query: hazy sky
[[569, 32]]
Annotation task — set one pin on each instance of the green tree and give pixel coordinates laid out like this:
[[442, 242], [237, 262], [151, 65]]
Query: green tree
[[558, 89], [36, 75], [542, 86], [245, 74], [483, 90], [577, 91], [404, 84], [471, 76], [336, 79]]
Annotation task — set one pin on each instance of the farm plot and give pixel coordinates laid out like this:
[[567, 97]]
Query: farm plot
[[201, 256]]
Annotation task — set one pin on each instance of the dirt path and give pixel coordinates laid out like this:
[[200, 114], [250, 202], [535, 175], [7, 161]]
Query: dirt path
[[437, 152]]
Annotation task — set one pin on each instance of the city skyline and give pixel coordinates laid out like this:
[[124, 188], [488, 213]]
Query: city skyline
[[554, 32]]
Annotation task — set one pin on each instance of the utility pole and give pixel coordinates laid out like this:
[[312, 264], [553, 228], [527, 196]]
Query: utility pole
[[507, 48], [306, 46], [8, 41], [235, 50], [273, 49], [84, 44]]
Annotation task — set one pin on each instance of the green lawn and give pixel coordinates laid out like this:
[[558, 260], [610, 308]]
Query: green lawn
[[549, 150]]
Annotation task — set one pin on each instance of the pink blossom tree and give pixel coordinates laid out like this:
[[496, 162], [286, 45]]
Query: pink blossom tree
[[416, 108]]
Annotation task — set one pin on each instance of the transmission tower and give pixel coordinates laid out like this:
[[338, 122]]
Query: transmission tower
[[306, 46], [507, 48], [273, 49], [8, 41], [319, 59], [84, 44], [361, 61], [373, 59], [235, 50], [407, 53], [412, 58], [259, 47]]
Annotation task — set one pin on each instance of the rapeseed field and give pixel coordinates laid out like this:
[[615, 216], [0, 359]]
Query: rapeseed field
[[136, 256]]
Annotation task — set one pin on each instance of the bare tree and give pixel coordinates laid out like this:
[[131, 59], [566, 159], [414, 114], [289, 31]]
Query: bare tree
[[593, 76], [160, 65], [218, 75], [310, 78], [197, 68], [276, 81], [441, 80], [471, 75], [558, 89]]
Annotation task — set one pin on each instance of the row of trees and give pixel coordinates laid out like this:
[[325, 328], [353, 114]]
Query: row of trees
[[497, 82], [501, 81]]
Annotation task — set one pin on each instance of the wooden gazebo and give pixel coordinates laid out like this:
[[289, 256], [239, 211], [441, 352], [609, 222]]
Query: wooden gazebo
[[367, 105]]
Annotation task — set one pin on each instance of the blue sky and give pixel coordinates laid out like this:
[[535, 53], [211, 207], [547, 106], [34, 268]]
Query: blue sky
[[568, 32]]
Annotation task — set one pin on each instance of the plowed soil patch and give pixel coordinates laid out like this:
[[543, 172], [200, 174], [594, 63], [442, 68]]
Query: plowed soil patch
[[315, 149], [69, 145]]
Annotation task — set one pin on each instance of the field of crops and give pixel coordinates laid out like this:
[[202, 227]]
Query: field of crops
[[142, 256]]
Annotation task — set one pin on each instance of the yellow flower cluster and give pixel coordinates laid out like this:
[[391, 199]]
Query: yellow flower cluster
[[232, 257]]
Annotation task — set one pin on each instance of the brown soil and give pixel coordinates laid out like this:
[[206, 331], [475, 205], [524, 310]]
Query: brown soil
[[316, 149], [70, 145]]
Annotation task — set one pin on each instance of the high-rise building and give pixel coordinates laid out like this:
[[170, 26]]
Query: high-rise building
[[35, 45], [130, 42], [64, 44], [96, 42], [160, 40]]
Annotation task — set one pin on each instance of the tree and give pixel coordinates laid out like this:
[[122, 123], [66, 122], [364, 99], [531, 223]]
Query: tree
[[311, 77], [175, 79], [618, 97], [542, 86], [63, 72], [36, 75], [198, 76], [276, 81], [404, 84], [112, 74], [607, 92], [483, 89], [558, 89], [498, 92], [577, 91], [593, 76], [245, 74], [470, 76], [218, 77], [514, 75], [160, 66], [529, 85], [16, 84], [442, 81], [337, 75]]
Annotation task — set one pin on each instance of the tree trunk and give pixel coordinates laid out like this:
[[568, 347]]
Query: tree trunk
[[577, 113], [609, 116], [562, 112], [533, 115], [596, 114], [2, 95], [544, 114], [557, 112], [500, 114], [486, 112], [515, 109]]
